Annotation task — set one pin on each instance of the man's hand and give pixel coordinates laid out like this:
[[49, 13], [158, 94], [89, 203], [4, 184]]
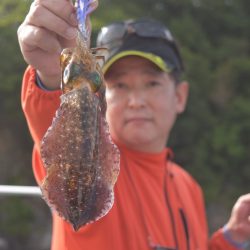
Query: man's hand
[[239, 223], [49, 27]]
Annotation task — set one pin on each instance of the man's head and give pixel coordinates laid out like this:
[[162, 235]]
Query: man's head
[[144, 37], [141, 72]]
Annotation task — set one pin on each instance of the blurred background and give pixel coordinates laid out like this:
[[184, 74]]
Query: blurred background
[[211, 140]]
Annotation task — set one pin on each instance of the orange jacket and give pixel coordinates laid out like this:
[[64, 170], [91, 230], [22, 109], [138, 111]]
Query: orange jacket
[[157, 203]]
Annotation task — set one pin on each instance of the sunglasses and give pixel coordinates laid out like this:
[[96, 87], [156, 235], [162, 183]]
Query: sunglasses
[[111, 36]]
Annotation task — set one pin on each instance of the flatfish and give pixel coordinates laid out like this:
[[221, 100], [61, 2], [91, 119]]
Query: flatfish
[[81, 160]]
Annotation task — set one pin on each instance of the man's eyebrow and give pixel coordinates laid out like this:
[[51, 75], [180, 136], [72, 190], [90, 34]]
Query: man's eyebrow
[[115, 74], [153, 71]]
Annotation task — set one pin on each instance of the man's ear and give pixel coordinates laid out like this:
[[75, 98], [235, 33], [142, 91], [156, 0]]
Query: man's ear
[[182, 91]]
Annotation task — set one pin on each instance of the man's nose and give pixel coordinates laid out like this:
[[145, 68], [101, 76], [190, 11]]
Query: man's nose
[[136, 99]]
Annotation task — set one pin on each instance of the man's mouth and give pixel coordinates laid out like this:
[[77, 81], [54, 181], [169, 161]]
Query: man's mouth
[[137, 119]]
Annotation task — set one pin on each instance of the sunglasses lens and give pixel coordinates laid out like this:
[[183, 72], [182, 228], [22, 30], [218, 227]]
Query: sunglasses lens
[[151, 29], [111, 33], [142, 28]]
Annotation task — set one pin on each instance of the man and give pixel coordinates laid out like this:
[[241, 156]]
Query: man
[[157, 204]]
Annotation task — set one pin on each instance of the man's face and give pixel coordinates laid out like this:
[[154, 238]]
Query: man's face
[[142, 103]]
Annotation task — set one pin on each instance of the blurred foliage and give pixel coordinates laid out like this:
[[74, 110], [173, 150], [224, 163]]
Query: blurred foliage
[[23, 215], [211, 139]]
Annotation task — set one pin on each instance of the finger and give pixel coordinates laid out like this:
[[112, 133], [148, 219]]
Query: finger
[[244, 201], [64, 9], [245, 197], [40, 16], [241, 208], [32, 37]]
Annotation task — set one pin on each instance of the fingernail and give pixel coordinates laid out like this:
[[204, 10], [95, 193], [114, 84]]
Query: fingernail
[[73, 19], [59, 50], [71, 33]]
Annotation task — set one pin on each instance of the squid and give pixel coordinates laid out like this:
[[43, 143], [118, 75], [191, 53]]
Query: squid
[[81, 160]]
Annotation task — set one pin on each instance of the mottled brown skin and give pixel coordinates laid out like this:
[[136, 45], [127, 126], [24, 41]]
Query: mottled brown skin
[[81, 160]]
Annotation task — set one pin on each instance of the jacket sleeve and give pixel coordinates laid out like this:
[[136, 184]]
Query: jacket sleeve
[[39, 108], [218, 242]]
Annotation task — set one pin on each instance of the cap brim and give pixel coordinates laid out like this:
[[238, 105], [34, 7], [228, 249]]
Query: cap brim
[[158, 61]]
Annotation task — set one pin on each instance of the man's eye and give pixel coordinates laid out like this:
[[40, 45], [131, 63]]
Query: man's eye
[[153, 84], [120, 85]]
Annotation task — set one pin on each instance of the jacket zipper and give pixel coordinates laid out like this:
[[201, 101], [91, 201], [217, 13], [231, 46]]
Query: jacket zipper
[[185, 225]]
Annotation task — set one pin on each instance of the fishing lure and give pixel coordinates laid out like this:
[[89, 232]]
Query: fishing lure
[[84, 8], [81, 160]]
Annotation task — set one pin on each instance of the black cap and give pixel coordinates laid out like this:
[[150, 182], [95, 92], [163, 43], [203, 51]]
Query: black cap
[[147, 38]]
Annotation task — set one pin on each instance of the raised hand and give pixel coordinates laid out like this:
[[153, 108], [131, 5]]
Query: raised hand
[[239, 223], [49, 27]]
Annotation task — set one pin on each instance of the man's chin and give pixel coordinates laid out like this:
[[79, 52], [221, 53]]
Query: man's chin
[[139, 143]]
